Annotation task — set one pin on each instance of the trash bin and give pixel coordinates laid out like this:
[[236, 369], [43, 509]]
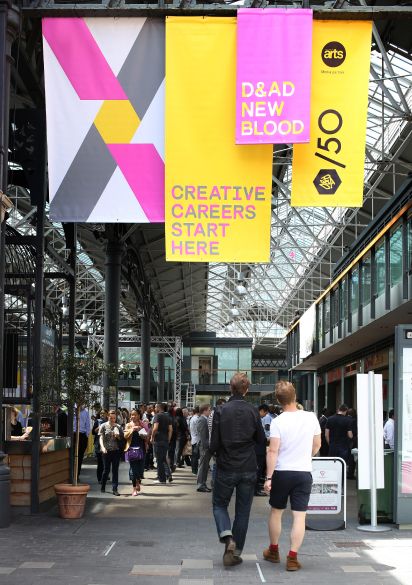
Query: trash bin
[[384, 496]]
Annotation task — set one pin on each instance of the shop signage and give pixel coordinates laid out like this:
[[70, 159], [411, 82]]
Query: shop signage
[[406, 451], [274, 52], [326, 495], [329, 171], [218, 195], [104, 80]]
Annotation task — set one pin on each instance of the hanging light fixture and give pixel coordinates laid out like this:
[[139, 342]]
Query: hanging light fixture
[[83, 324], [241, 290]]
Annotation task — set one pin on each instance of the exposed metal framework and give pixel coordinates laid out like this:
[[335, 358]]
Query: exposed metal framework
[[259, 300], [171, 346]]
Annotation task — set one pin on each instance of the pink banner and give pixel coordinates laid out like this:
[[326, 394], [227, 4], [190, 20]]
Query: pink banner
[[274, 57]]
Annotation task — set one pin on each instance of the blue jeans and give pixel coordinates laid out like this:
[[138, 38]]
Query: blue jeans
[[223, 487]]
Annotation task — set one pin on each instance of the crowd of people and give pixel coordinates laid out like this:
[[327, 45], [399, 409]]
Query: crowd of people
[[232, 448]]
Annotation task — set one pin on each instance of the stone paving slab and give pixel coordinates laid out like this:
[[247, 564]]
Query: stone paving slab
[[157, 570], [7, 570], [358, 569], [36, 565], [197, 564]]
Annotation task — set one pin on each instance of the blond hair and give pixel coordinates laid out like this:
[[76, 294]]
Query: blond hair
[[285, 392]]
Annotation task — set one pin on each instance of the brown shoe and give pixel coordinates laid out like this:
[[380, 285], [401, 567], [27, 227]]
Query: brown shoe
[[292, 564], [229, 559], [271, 555]]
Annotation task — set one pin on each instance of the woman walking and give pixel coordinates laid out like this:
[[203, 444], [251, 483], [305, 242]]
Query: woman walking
[[136, 433]]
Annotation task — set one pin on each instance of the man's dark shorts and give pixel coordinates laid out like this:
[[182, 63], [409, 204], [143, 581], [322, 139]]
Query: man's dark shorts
[[294, 484]]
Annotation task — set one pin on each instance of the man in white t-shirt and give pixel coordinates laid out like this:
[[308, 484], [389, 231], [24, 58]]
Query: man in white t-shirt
[[295, 436]]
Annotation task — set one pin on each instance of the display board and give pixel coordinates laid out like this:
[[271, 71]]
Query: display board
[[326, 495]]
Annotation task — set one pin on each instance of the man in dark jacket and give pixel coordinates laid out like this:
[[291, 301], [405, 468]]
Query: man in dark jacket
[[236, 430]]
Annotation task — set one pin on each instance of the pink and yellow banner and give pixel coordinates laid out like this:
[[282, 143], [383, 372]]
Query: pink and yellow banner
[[274, 55], [329, 171], [218, 194]]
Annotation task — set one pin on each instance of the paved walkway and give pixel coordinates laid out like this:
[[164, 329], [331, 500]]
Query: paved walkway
[[166, 536]]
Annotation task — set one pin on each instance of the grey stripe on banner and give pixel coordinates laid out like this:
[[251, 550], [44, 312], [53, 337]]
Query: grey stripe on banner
[[85, 180], [144, 69]]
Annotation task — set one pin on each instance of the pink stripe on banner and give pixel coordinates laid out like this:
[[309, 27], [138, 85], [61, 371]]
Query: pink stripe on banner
[[144, 170], [81, 59], [274, 58]]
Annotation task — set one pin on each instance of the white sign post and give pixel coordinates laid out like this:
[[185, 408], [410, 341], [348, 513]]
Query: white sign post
[[370, 442]]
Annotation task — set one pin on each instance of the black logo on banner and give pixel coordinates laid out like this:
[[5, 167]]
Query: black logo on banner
[[327, 182], [333, 54]]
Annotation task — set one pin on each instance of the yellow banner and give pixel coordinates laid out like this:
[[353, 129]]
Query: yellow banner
[[218, 194], [329, 171]]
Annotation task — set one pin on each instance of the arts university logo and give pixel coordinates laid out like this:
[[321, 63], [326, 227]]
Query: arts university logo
[[104, 82]]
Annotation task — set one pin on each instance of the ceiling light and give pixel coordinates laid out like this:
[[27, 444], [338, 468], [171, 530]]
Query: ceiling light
[[235, 312], [83, 324], [241, 290]]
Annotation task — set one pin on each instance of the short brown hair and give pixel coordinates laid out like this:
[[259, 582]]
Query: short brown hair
[[285, 392], [239, 384], [112, 412], [203, 408]]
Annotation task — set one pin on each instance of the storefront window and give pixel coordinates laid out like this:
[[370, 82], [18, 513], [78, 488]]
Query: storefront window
[[226, 363], [355, 290], [343, 300], [326, 309], [366, 280], [379, 287], [410, 242], [396, 256], [320, 321], [245, 360], [334, 301]]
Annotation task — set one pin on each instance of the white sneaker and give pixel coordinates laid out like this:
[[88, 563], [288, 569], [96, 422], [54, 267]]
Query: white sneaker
[[158, 482]]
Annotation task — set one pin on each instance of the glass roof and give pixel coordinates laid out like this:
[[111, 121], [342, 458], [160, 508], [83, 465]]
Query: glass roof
[[301, 237]]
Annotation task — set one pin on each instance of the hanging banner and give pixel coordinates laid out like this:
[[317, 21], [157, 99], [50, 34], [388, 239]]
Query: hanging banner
[[274, 54], [329, 171], [104, 80], [218, 195]]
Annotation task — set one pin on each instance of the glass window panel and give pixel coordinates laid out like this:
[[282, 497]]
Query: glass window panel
[[226, 363], [410, 243], [335, 312], [326, 309], [355, 290], [366, 280], [396, 256], [343, 304], [203, 351], [380, 269], [245, 360], [320, 321]]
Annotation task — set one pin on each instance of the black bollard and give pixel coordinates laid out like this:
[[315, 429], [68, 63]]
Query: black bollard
[[4, 493]]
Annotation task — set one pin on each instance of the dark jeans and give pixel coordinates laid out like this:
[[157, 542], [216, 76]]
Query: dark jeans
[[171, 452], [111, 459], [224, 485], [83, 442], [195, 458], [261, 462], [99, 470], [180, 443], [339, 451], [163, 470]]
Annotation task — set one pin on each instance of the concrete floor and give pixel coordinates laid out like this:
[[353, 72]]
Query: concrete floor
[[167, 535]]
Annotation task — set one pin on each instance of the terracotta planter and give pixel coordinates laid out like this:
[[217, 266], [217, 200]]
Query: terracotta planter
[[71, 499]]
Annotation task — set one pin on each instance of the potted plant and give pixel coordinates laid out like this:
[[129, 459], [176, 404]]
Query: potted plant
[[79, 376]]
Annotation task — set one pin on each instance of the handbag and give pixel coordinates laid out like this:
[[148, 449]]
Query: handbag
[[134, 454]]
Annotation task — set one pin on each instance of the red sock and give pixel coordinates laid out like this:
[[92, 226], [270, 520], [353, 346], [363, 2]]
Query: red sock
[[292, 554], [274, 547]]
